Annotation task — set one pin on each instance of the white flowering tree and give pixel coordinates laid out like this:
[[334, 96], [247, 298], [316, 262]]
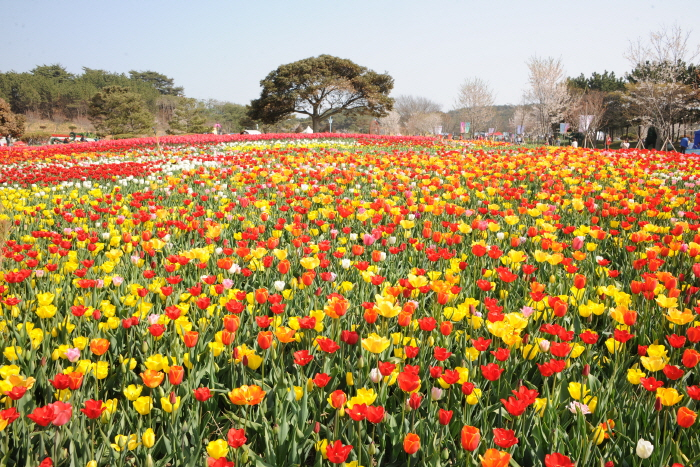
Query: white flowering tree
[[547, 93]]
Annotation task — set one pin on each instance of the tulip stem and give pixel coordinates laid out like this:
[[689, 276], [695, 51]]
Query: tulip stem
[[359, 445]]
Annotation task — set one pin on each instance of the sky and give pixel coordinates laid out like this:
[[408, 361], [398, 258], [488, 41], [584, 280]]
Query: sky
[[222, 49]]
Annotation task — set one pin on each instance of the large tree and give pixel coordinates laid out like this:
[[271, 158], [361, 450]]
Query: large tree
[[162, 83], [321, 87], [475, 103], [663, 87], [11, 125], [188, 118], [116, 110], [413, 108], [547, 94]]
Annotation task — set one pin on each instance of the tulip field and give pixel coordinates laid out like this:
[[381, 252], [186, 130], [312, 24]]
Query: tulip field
[[348, 300]]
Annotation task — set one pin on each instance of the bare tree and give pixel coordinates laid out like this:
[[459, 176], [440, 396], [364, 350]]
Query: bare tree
[[424, 123], [475, 104], [523, 117], [409, 107], [586, 113], [657, 93], [547, 94], [391, 124]]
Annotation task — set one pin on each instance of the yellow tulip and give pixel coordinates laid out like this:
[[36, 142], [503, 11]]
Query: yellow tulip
[[217, 448], [143, 405], [167, 406], [668, 396], [575, 390], [653, 363], [375, 344], [473, 398], [132, 392], [634, 375], [148, 438]]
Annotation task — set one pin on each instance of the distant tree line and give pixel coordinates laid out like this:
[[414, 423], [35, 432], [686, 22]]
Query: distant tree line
[[115, 104]]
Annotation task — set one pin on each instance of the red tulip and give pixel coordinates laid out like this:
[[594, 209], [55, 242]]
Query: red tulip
[[93, 409], [504, 438], [236, 438], [444, 416]]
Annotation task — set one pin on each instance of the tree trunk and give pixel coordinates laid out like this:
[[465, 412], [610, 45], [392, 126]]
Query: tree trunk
[[315, 123]]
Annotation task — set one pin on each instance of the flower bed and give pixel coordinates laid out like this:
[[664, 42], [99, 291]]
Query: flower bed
[[359, 300]]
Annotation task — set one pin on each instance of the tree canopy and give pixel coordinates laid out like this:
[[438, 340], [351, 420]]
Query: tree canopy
[[117, 111], [188, 118], [11, 125], [162, 83], [321, 87]]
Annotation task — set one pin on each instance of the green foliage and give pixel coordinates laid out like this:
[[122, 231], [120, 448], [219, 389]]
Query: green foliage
[[188, 118], [36, 137], [321, 87], [227, 114], [160, 82], [607, 82], [117, 110], [11, 124], [51, 92]]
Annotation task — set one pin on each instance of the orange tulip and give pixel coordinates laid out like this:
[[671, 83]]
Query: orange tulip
[[190, 338], [261, 296], [686, 417], [232, 323], [176, 374], [225, 263], [152, 378], [227, 337], [99, 346], [265, 339], [75, 380], [285, 334], [411, 443], [247, 395], [471, 436], [495, 458], [283, 266]]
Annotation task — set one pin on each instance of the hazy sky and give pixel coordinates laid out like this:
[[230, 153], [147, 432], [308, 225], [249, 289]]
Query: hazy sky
[[222, 49]]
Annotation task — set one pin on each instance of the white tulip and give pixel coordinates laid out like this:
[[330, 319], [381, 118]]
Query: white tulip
[[644, 448]]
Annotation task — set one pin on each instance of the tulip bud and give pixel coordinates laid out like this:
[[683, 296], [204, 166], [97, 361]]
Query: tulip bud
[[657, 404], [372, 449], [361, 362], [149, 461], [436, 393], [586, 370], [43, 361], [445, 454], [173, 397], [375, 375], [317, 427]]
